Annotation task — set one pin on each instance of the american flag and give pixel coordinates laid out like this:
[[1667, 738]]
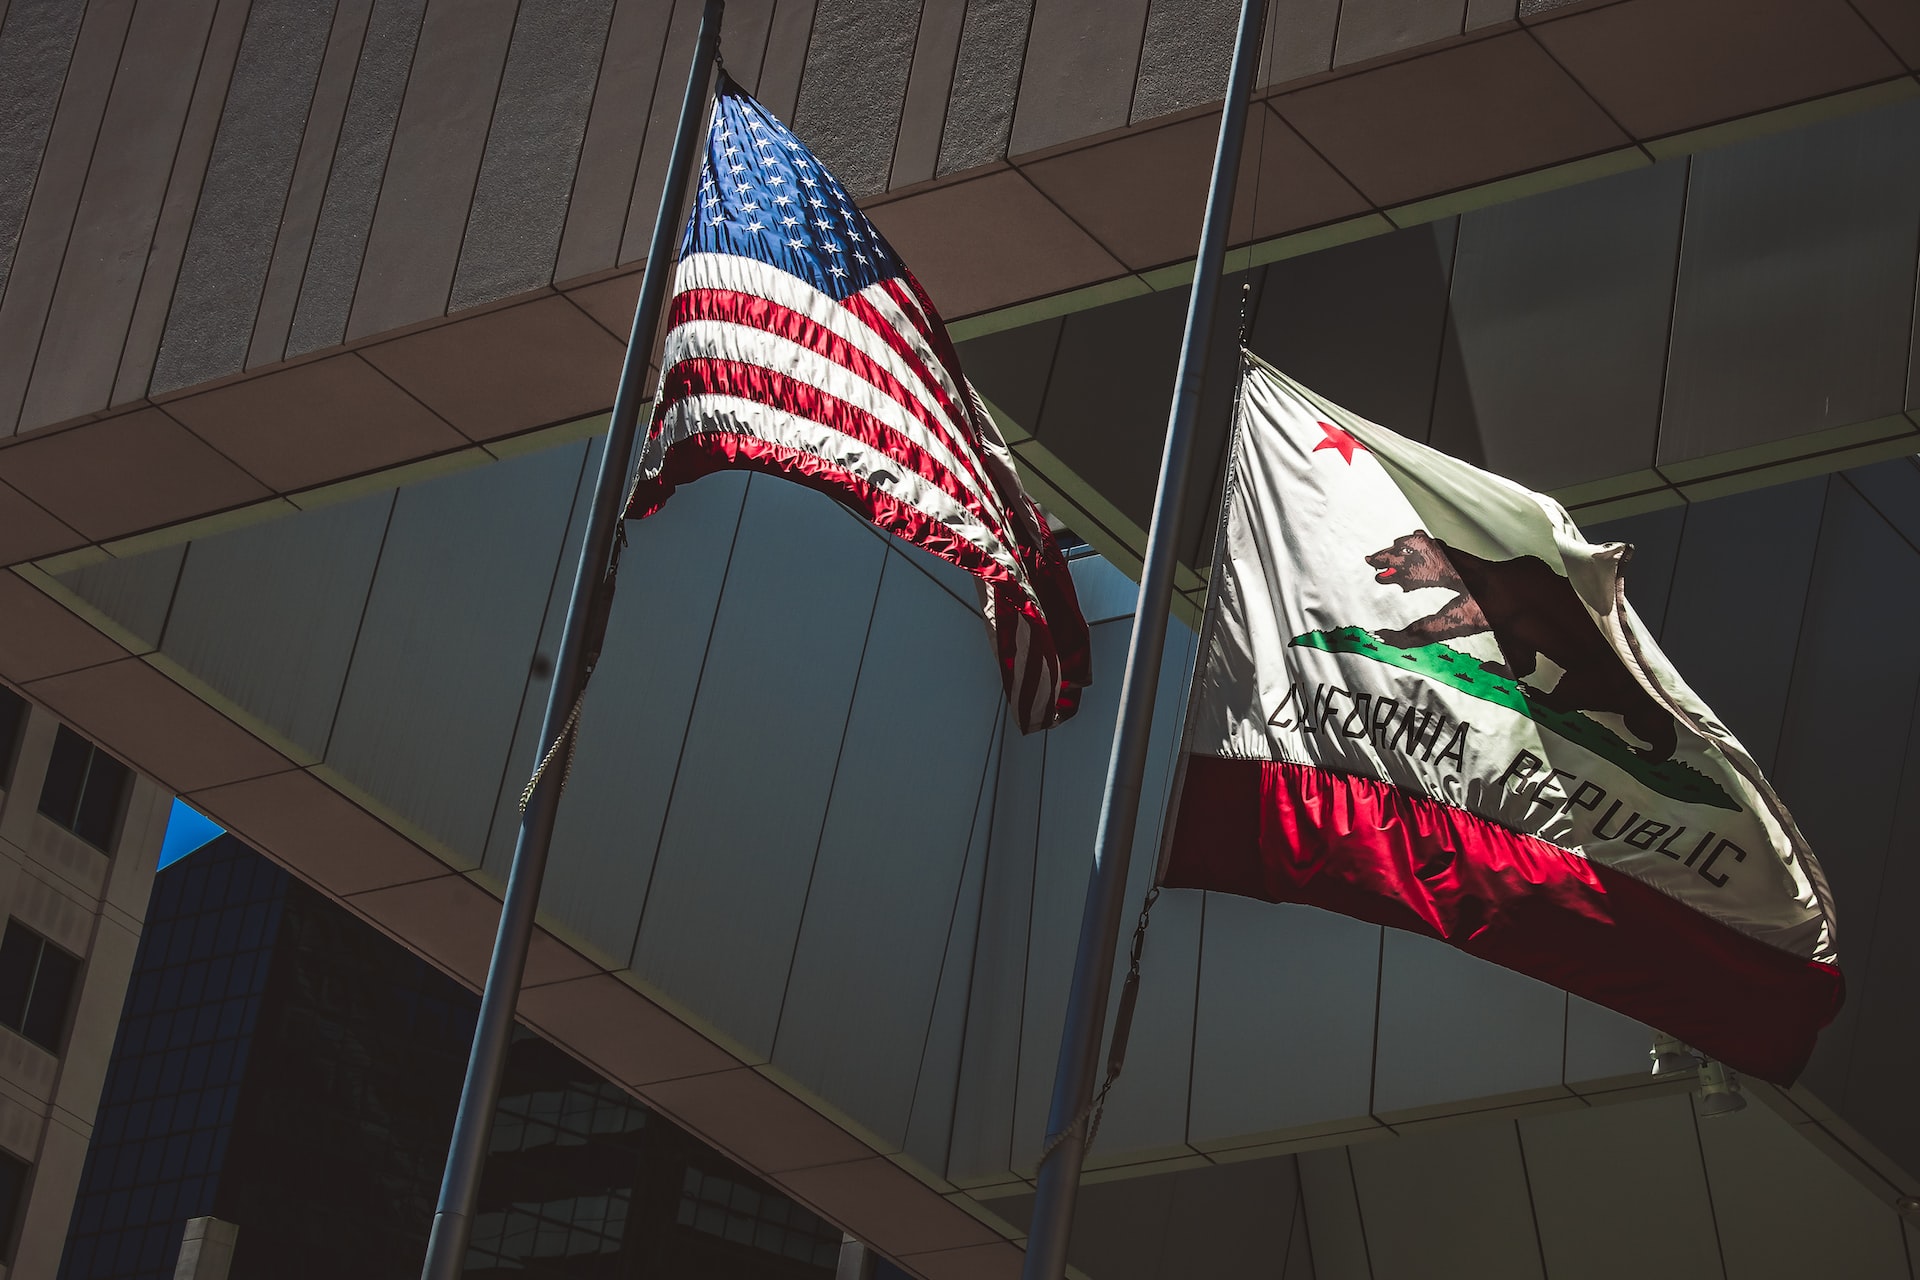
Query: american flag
[[799, 344]]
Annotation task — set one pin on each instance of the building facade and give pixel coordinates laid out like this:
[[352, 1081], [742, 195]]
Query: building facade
[[79, 836], [324, 304], [282, 1067]]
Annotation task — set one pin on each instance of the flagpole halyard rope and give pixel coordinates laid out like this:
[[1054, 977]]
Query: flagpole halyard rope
[[1122, 1027]]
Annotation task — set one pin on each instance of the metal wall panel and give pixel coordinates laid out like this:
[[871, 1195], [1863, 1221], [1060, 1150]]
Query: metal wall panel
[[596, 212], [854, 85], [1453, 1026], [438, 671], [1185, 55], [1082, 56], [1538, 286], [353, 184], [1284, 1025], [1361, 323], [1739, 552], [930, 1126], [112, 230], [533, 145], [238, 216], [1881, 978], [36, 43], [135, 592], [502, 834], [1796, 284], [986, 84], [1819, 1222], [414, 242], [1333, 1215], [754, 777], [635, 722], [1845, 733], [1453, 1202], [990, 1059], [882, 895], [268, 614], [1069, 809], [1620, 1191]]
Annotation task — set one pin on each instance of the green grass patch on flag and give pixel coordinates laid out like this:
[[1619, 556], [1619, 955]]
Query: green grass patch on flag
[[1469, 675]]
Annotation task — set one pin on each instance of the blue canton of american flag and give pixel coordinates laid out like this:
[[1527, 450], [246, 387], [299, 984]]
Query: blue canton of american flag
[[799, 344]]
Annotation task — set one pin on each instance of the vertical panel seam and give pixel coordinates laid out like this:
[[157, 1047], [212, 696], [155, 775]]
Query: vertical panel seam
[[1026, 957], [380, 180], [1706, 1176], [1446, 326], [826, 810], [366, 603], [1193, 1037], [1533, 1210], [1359, 1204], [1306, 1221], [693, 707], [33, 186], [580, 148], [320, 198], [1373, 1054], [906, 94], [1673, 316], [73, 217], [1799, 632], [173, 596], [996, 755], [994, 730], [213, 149], [520, 713], [1673, 578], [480, 164]]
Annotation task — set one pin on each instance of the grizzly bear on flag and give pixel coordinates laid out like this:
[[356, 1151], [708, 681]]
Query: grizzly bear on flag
[[1532, 611]]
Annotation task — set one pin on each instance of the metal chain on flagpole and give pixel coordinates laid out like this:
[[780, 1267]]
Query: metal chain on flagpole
[[1091, 1114], [596, 638]]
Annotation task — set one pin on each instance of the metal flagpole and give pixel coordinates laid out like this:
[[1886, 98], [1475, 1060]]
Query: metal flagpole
[[1106, 890], [579, 645]]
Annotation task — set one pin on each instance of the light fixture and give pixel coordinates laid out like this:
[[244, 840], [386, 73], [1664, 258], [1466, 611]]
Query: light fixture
[[1670, 1057], [1719, 1093]]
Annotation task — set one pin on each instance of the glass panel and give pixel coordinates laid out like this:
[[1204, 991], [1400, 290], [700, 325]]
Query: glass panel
[[13, 1180], [99, 813], [19, 953], [13, 713], [66, 772], [46, 1020]]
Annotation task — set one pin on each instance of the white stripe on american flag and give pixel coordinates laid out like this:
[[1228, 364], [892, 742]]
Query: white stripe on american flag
[[744, 344], [747, 275]]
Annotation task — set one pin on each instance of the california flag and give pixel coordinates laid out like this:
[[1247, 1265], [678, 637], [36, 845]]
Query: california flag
[[1423, 700]]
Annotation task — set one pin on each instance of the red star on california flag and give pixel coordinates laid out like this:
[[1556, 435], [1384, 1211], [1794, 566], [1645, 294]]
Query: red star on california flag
[[1338, 438]]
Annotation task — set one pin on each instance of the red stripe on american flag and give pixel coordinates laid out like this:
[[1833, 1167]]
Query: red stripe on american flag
[[705, 375], [768, 316], [870, 315]]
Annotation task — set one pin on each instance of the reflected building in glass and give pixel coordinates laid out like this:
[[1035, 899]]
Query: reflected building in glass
[[282, 1066]]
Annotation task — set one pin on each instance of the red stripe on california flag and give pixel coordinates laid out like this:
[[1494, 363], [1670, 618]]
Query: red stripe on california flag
[[712, 376], [710, 451], [1291, 833], [768, 316]]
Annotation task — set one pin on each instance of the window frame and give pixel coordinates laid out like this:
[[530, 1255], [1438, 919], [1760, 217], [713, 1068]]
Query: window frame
[[71, 821], [68, 1002]]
